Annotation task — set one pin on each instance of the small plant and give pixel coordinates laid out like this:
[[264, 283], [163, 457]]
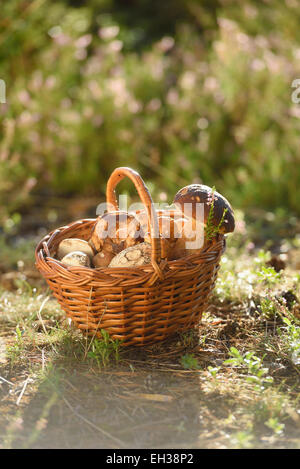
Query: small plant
[[262, 257], [102, 350], [242, 440], [275, 425], [211, 230], [257, 374], [213, 370], [291, 338], [268, 275], [224, 286], [268, 309], [189, 362], [14, 351]]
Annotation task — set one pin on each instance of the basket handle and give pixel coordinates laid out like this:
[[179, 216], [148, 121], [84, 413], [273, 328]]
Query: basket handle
[[117, 175]]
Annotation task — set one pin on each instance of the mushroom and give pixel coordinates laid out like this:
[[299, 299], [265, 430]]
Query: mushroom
[[189, 241], [115, 231], [142, 217], [168, 235], [103, 258], [133, 256], [73, 244], [77, 258], [197, 232], [217, 209]]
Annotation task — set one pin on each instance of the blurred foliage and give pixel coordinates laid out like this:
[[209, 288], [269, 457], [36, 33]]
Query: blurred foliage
[[183, 91]]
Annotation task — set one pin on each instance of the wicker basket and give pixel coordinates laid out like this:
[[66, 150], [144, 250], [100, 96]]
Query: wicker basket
[[140, 305]]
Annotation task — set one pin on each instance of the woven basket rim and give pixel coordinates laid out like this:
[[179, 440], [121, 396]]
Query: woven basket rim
[[208, 255]]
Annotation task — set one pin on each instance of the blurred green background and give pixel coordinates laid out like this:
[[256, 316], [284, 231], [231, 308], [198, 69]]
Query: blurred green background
[[181, 90]]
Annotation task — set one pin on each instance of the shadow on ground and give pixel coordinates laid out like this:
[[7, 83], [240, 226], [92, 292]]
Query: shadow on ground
[[121, 409]]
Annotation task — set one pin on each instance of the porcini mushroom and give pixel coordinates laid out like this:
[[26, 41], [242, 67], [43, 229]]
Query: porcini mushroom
[[142, 217], [216, 209], [168, 235], [77, 258], [133, 256], [206, 213], [115, 231], [190, 239], [73, 244], [103, 258]]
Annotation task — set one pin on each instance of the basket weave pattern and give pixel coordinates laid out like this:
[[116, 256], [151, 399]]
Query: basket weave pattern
[[140, 305]]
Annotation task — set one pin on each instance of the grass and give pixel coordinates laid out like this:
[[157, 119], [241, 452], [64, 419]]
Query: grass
[[252, 365], [238, 372], [211, 230], [103, 350], [14, 351], [189, 362]]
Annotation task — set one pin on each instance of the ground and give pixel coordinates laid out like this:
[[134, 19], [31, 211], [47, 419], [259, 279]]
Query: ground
[[233, 382]]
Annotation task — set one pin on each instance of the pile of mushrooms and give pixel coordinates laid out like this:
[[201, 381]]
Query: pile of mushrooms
[[122, 239]]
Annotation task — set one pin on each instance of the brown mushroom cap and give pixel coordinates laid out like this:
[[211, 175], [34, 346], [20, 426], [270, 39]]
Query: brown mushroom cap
[[142, 217], [199, 193], [169, 233], [103, 258], [115, 231], [190, 239]]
